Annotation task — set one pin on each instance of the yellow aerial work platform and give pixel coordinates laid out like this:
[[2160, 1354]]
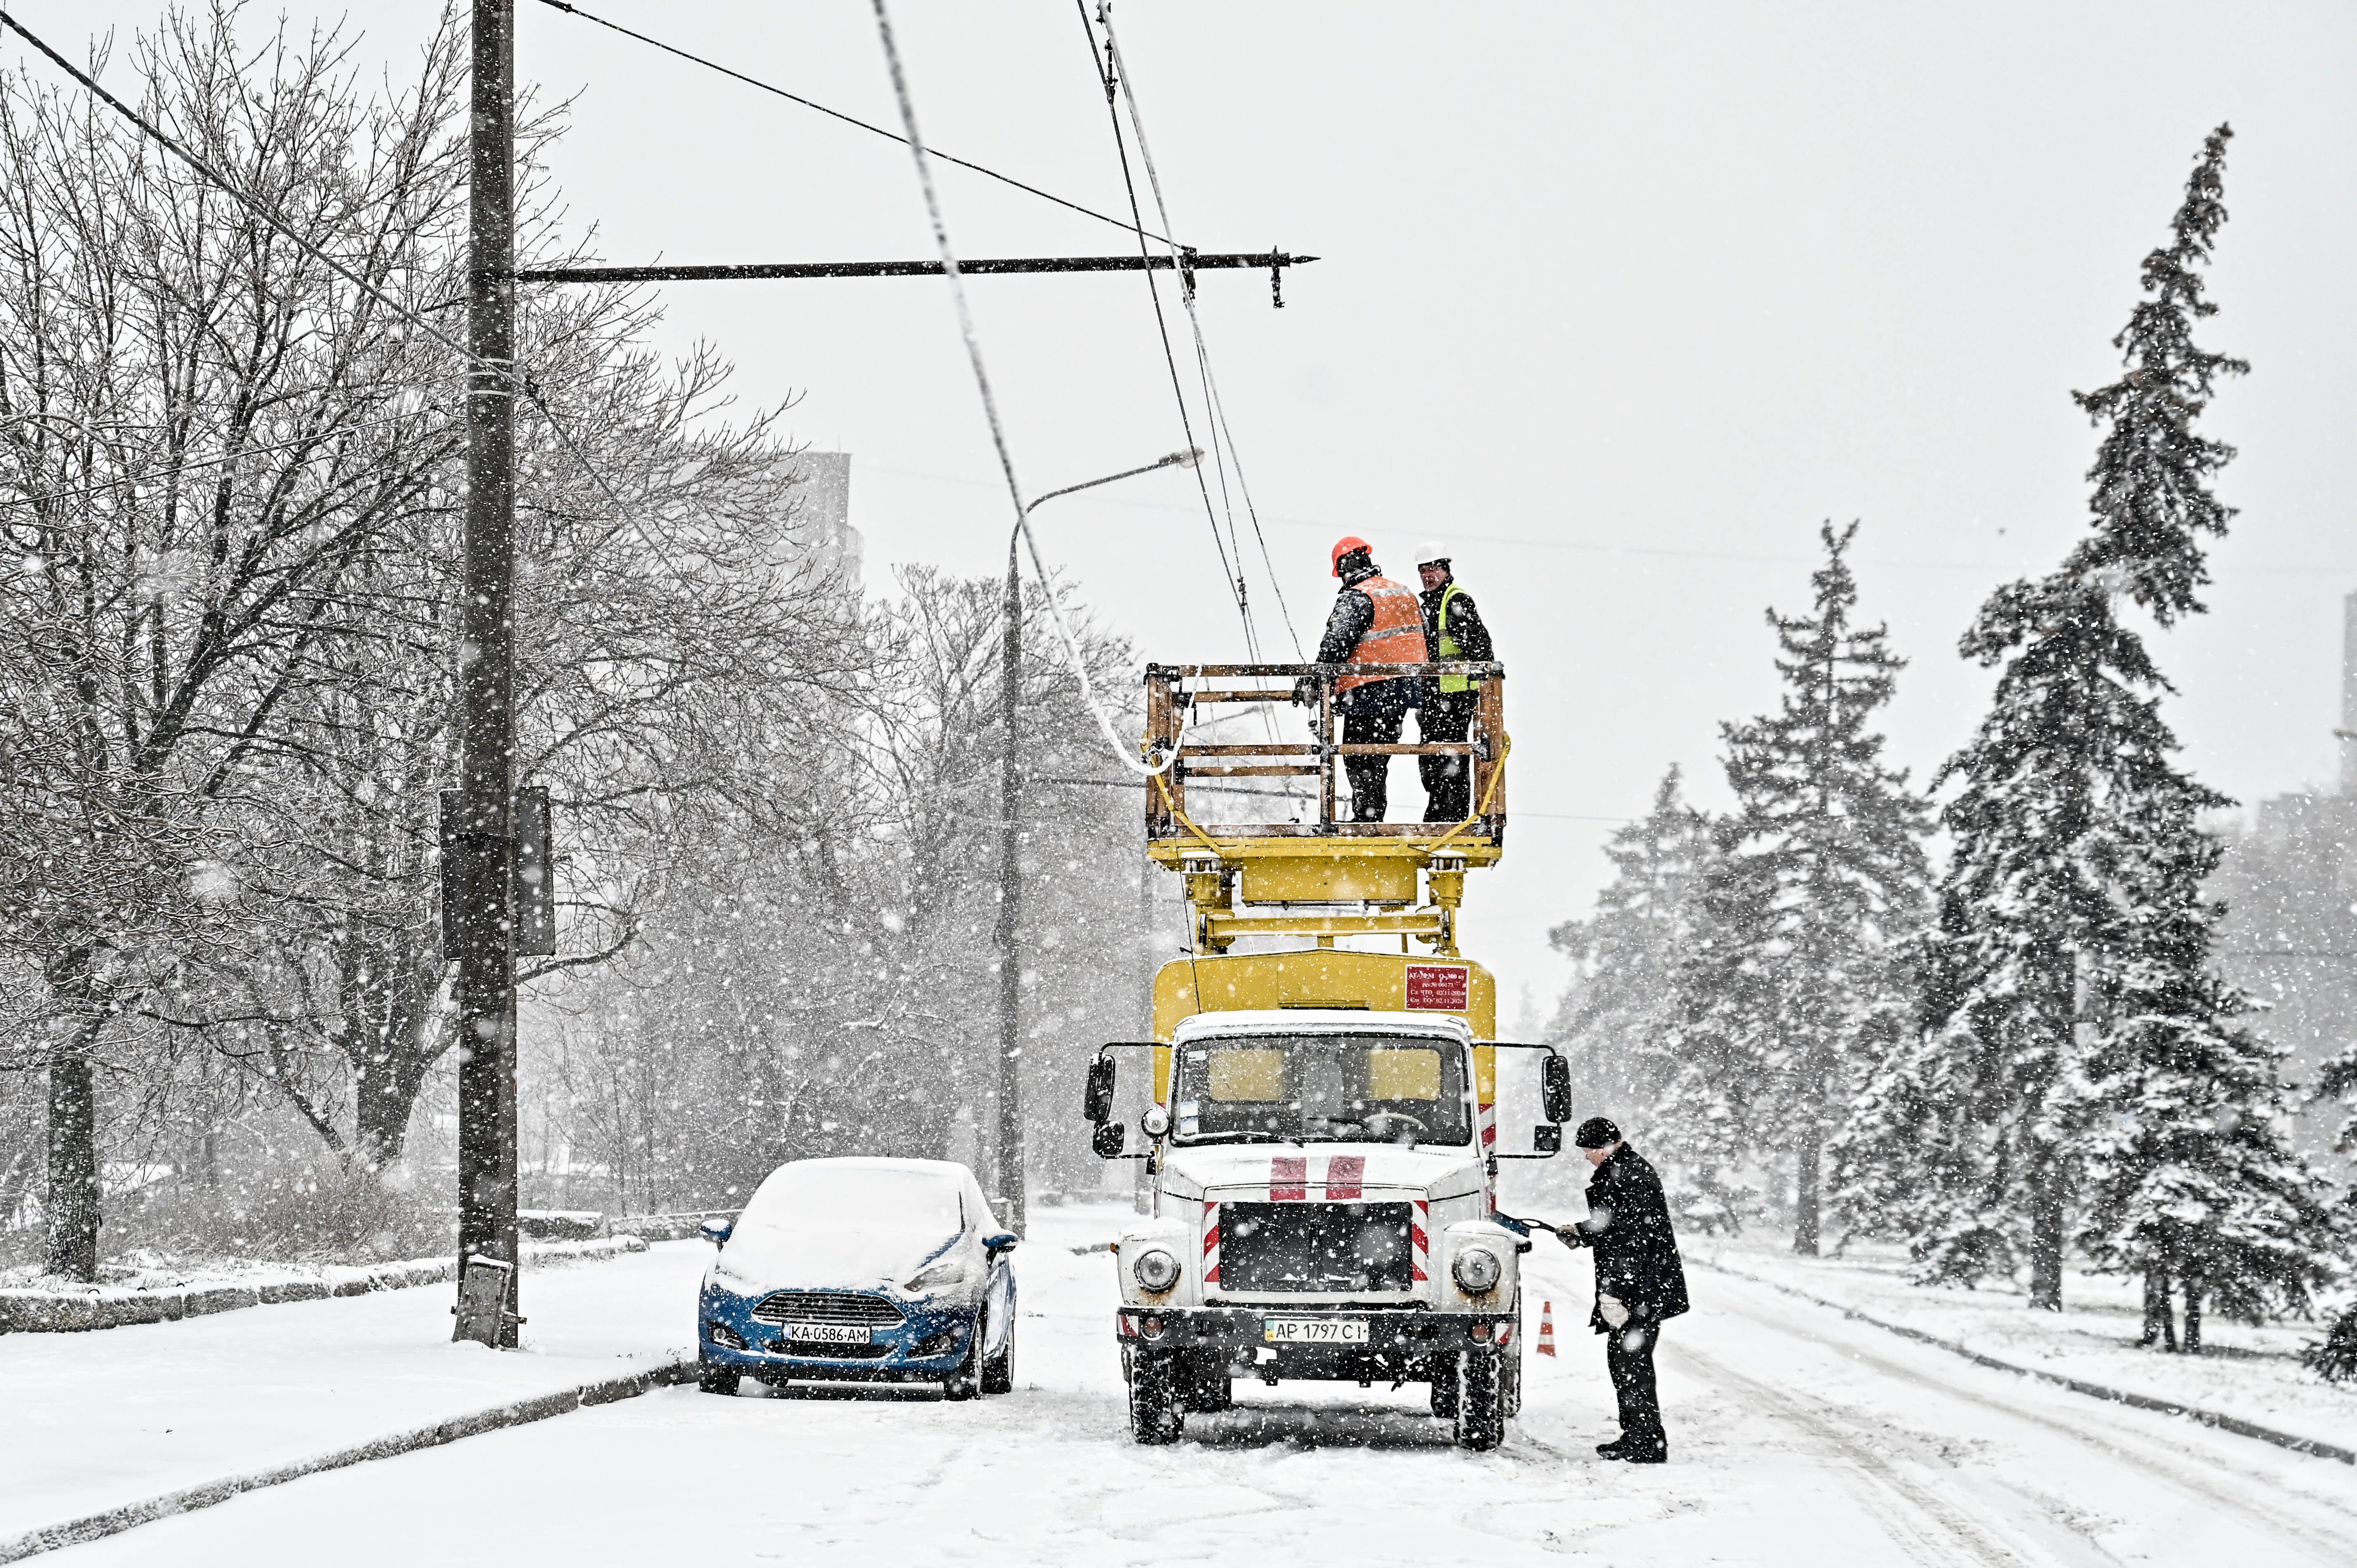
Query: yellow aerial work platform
[[1314, 878]]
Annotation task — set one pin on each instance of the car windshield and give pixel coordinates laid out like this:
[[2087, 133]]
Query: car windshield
[[824, 1196], [1326, 1088]]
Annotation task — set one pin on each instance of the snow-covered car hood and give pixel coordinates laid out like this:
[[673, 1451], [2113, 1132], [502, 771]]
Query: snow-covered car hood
[[800, 1257], [1247, 1173]]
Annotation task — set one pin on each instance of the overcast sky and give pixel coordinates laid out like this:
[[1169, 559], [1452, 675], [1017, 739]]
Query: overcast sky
[[1619, 301]]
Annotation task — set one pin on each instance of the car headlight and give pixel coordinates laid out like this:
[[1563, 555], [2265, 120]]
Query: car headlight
[[1156, 1270], [1477, 1270], [951, 1271]]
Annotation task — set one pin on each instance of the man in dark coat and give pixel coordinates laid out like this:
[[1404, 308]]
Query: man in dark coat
[[1640, 1281], [1374, 621]]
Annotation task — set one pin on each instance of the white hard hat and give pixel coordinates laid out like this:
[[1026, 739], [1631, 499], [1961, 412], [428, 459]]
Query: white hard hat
[[1432, 550]]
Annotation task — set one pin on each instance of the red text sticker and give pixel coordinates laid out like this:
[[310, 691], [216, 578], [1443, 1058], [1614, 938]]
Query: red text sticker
[[1439, 988]]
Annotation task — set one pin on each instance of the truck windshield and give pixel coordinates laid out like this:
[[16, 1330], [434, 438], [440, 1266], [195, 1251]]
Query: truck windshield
[[1402, 1088]]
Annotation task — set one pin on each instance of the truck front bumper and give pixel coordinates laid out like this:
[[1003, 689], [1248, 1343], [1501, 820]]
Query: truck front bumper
[[1397, 1344]]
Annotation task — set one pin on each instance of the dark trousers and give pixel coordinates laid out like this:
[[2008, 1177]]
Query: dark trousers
[[1448, 781], [1371, 776], [1629, 1356]]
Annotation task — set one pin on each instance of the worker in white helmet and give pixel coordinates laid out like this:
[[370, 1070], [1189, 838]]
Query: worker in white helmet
[[1454, 630]]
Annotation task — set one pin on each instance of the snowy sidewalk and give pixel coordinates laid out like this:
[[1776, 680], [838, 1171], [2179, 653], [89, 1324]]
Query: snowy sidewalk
[[98, 1420], [2250, 1373]]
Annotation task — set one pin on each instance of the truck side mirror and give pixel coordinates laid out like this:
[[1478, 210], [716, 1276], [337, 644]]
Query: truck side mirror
[[1555, 1079], [1547, 1138], [1111, 1140], [1096, 1104]]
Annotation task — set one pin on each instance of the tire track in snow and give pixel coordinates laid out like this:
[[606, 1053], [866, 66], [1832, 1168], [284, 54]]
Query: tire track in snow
[[1927, 1525], [2119, 1439]]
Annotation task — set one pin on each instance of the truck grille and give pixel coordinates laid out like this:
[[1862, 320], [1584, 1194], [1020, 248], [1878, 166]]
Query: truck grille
[[1321, 1249], [828, 1307]]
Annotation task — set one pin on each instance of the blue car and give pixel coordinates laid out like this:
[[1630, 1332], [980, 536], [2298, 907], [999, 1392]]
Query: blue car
[[861, 1270]]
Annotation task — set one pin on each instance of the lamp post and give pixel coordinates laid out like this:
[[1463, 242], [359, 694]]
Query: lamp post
[[1010, 877]]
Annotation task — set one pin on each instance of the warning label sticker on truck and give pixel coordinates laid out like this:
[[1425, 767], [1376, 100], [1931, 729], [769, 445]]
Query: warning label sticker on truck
[[1439, 988]]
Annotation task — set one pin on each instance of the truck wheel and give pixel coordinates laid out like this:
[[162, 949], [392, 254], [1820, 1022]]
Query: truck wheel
[[1154, 1414], [1444, 1387], [1480, 1402], [715, 1379], [998, 1367]]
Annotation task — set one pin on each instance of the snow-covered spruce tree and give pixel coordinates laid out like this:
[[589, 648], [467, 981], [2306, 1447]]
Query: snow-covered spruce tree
[[1795, 984], [1612, 1018], [2078, 1053]]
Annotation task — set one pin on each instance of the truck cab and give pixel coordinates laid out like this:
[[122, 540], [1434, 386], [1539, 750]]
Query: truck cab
[[1320, 1124]]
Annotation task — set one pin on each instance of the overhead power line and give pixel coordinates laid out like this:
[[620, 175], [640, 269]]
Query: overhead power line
[[838, 114]]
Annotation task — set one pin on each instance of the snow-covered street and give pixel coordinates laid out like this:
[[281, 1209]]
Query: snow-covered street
[[1797, 1438]]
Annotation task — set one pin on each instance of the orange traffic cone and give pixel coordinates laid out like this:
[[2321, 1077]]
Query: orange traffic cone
[[1546, 1328]]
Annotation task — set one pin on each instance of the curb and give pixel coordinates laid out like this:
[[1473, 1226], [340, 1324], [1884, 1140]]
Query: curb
[[43, 1311], [519, 1412], [2223, 1421]]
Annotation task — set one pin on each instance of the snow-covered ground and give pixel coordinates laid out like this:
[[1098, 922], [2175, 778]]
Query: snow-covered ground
[[1798, 1438], [2251, 1372], [90, 1422]]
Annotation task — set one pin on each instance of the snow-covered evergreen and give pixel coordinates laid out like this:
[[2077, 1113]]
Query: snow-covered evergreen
[[2082, 1061], [1794, 986]]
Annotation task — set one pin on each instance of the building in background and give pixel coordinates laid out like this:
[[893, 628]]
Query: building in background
[[2289, 881], [820, 519]]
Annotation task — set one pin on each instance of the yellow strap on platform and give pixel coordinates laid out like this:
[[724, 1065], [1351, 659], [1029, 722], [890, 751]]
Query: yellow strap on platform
[[1497, 776], [1163, 784]]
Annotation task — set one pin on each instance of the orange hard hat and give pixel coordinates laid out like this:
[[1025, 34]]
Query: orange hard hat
[[1345, 545]]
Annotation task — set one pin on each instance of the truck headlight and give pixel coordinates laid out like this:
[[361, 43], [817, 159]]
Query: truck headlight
[[1156, 1270], [1477, 1269]]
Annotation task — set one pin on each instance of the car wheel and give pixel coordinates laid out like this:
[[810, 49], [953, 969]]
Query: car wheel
[[1480, 1402], [998, 1367], [1154, 1414], [715, 1379], [966, 1381]]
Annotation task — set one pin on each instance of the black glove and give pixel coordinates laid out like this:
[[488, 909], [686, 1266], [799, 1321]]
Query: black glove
[[1305, 692]]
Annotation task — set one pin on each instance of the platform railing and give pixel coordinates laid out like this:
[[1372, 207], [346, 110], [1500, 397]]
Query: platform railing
[[1175, 691]]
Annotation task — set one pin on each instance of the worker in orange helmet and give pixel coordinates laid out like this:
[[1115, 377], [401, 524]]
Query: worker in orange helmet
[[1374, 621]]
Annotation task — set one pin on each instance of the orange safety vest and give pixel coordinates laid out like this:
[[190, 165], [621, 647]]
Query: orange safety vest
[[1397, 635]]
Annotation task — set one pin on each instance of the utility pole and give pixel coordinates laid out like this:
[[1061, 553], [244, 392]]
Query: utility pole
[[481, 914], [1010, 1163]]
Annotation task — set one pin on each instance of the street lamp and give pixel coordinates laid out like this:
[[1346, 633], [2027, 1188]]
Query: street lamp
[[1010, 879]]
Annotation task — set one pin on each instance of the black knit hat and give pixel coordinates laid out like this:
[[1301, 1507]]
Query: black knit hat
[[1596, 1132]]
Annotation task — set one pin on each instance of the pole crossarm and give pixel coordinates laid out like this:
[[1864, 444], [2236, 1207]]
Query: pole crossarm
[[1270, 260]]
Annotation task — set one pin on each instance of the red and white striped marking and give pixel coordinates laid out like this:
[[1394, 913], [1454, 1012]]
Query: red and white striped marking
[[1419, 1233], [1210, 1242]]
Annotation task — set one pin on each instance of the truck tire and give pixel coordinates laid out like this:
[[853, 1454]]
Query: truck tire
[[1480, 1402], [715, 1379], [998, 1367], [1509, 1378], [1208, 1387], [1154, 1415]]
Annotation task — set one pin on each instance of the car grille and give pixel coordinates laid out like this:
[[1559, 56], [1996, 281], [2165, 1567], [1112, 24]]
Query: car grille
[[811, 1349], [1322, 1248], [828, 1307]]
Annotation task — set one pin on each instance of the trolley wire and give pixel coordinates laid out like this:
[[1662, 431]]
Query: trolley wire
[[838, 114], [916, 144], [1162, 327], [1115, 69]]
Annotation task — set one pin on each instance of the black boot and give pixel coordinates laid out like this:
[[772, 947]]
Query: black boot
[[1614, 1449]]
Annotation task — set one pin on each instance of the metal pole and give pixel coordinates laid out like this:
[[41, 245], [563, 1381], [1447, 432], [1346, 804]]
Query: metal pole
[[1009, 1164], [483, 941], [1010, 888]]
